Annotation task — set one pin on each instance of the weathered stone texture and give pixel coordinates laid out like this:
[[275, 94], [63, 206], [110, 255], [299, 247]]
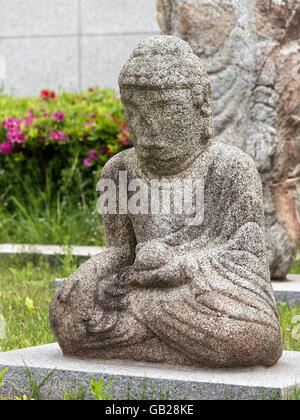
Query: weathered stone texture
[[167, 290], [251, 51]]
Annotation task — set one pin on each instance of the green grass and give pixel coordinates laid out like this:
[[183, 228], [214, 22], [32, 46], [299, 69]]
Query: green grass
[[56, 225], [101, 391], [287, 326], [29, 214], [295, 269], [26, 289]]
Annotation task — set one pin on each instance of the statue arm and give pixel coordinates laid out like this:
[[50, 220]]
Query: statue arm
[[245, 249], [241, 237], [110, 261], [120, 246]]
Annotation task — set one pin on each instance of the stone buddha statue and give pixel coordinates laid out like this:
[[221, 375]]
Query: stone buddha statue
[[166, 289]]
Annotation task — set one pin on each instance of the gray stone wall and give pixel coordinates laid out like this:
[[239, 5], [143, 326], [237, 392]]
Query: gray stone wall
[[69, 44]]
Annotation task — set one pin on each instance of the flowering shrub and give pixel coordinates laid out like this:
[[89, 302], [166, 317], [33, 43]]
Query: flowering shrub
[[94, 119], [68, 135]]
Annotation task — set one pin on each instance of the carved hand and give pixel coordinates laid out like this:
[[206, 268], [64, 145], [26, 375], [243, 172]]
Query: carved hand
[[169, 275], [113, 295], [86, 271]]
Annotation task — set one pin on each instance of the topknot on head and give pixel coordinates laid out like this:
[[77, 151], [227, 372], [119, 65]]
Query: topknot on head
[[162, 45], [163, 61]]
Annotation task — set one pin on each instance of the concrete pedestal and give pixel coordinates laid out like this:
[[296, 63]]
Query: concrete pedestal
[[288, 291], [179, 382]]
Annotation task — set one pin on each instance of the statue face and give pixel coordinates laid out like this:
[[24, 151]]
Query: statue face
[[165, 126]]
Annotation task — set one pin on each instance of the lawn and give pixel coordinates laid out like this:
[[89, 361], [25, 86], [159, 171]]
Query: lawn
[[26, 289], [48, 221], [295, 267]]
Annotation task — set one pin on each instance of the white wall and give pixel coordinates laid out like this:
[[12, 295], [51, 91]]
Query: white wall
[[69, 44]]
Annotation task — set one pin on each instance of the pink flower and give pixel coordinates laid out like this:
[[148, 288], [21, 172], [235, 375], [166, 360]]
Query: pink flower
[[13, 129], [48, 94], [93, 154], [31, 113], [6, 122], [45, 94], [20, 139], [122, 125], [29, 121], [105, 150], [94, 89], [63, 136], [11, 123], [126, 142], [87, 161], [15, 137], [59, 116], [6, 148], [53, 135], [89, 124], [58, 135], [93, 116], [12, 135]]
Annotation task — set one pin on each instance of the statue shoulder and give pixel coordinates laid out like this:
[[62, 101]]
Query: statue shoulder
[[231, 161], [119, 162]]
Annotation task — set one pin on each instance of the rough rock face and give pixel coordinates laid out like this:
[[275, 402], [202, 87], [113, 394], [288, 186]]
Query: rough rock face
[[183, 287], [251, 51]]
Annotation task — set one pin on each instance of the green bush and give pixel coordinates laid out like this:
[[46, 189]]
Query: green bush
[[70, 136], [52, 151]]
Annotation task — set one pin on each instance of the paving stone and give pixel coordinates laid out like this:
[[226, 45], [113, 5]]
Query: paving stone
[[181, 382], [49, 250], [288, 291]]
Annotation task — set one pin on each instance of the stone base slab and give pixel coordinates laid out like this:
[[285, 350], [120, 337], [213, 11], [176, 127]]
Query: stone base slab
[[49, 250], [288, 291], [181, 383]]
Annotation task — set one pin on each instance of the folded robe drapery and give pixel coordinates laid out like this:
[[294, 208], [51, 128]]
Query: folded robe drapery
[[228, 301]]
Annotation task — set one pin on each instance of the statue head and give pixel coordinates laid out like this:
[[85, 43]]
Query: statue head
[[167, 103]]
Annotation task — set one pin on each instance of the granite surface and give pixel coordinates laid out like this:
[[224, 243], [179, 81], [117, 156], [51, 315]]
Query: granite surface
[[285, 291], [170, 288]]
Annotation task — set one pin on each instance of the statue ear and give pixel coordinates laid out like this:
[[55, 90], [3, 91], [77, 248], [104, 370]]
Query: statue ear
[[201, 95], [202, 98], [207, 111], [209, 128], [198, 95]]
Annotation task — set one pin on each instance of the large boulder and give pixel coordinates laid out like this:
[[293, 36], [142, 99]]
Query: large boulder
[[251, 51]]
